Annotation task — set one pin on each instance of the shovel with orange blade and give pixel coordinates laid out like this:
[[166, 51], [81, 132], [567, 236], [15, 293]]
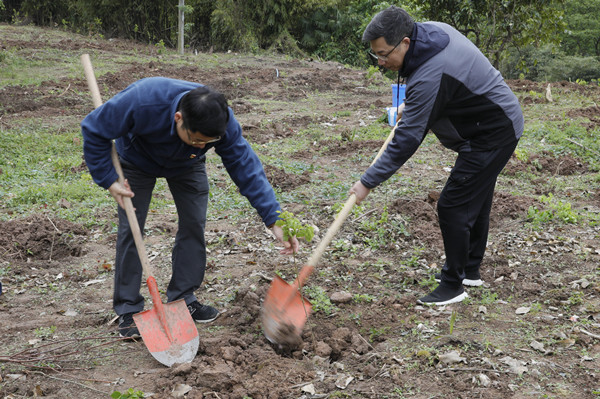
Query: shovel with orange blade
[[168, 330], [285, 310]]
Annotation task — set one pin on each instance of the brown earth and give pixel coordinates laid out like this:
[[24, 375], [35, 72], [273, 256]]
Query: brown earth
[[56, 309]]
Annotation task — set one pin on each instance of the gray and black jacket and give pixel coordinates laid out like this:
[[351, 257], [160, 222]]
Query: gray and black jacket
[[453, 90]]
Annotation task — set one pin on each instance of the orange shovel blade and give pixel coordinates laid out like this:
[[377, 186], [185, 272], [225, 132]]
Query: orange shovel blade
[[171, 337], [285, 312]]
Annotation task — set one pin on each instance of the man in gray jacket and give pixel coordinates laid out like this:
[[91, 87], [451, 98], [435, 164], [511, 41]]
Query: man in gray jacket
[[454, 91]]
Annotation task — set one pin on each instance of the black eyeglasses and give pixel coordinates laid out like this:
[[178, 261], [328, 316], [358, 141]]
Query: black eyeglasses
[[385, 57], [201, 142]]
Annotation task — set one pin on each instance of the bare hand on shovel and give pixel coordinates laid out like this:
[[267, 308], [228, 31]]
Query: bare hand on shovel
[[285, 310], [168, 330]]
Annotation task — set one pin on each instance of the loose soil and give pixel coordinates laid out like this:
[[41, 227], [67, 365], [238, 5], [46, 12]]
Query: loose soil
[[531, 331]]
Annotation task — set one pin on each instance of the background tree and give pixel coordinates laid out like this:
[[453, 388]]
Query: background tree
[[260, 24], [582, 36], [496, 26], [539, 39]]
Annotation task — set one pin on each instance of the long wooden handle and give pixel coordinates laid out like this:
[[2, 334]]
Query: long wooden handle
[[129, 210], [341, 216]]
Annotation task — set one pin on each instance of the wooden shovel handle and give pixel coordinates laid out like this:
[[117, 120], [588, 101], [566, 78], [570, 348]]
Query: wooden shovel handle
[[342, 215], [129, 210]]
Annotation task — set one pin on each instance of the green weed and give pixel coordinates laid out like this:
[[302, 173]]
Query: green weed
[[381, 230], [452, 321], [129, 394], [363, 298], [488, 297], [320, 300], [555, 211], [45, 332]]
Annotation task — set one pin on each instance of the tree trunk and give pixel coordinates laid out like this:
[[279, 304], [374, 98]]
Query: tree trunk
[[181, 26]]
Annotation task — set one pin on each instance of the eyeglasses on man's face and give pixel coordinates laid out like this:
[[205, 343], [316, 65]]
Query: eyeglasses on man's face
[[201, 142], [384, 57]]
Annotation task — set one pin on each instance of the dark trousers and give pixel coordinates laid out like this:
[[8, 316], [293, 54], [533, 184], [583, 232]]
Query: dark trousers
[[190, 193], [464, 211]]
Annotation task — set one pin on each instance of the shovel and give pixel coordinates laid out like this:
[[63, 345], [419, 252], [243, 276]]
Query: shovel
[[168, 330], [285, 310]]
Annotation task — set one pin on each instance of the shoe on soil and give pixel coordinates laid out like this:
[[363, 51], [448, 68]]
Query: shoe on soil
[[202, 313], [127, 327], [471, 282], [444, 295]]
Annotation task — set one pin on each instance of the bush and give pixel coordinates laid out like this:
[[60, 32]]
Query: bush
[[547, 64], [573, 68]]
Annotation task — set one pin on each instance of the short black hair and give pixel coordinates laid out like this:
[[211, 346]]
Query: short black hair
[[393, 24], [205, 111]]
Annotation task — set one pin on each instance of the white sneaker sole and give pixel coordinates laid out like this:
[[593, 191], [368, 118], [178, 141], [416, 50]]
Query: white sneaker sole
[[208, 320], [473, 283], [456, 299], [467, 282]]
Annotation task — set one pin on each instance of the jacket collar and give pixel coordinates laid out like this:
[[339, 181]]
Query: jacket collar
[[426, 41]]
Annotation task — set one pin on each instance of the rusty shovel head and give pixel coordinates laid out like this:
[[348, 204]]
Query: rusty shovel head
[[169, 332], [284, 312]]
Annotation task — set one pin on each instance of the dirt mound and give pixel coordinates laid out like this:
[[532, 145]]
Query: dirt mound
[[592, 113], [233, 364], [285, 181], [507, 206], [423, 223], [40, 238], [546, 163]]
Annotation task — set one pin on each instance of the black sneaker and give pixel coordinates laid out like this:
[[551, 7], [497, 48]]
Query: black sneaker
[[202, 313], [471, 282], [444, 295], [127, 327]]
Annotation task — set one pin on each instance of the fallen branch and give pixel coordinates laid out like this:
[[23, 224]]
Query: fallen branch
[[589, 333], [582, 146], [74, 382], [63, 355], [476, 369]]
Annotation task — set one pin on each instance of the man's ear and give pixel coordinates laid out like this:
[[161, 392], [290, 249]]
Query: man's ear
[[177, 116]]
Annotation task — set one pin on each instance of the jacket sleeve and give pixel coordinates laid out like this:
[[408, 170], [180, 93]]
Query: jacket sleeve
[[111, 120], [408, 136], [246, 171]]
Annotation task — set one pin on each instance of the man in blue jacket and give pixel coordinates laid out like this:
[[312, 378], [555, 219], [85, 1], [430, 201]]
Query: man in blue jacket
[[163, 128], [454, 91]]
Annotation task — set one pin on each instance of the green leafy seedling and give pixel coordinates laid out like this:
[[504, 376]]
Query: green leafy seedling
[[292, 227], [129, 394]]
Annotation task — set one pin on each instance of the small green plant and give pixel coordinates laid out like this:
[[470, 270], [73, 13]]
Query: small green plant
[[488, 297], [129, 394], [576, 298], [339, 114], [428, 282], [160, 46], [413, 261], [452, 321], [44, 332], [536, 307], [375, 334], [363, 298], [319, 299], [292, 227], [373, 72], [556, 210]]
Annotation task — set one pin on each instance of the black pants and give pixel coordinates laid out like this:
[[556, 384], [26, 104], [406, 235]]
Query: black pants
[[190, 193], [464, 211]]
